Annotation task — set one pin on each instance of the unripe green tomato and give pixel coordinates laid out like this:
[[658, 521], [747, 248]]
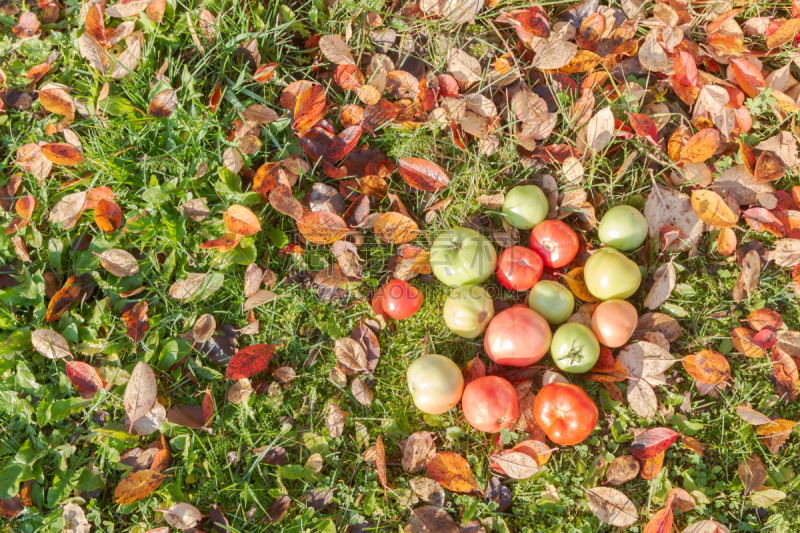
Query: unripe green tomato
[[574, 348], [623, 227], [462, 256], [610, 275], [525, 206], [552, 300], [435, 383], [468, 310]]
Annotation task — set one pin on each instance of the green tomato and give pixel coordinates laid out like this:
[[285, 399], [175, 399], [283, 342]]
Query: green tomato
[[462, 256], [609, 275], [623, 227], [468, 310], [574, 348], [552, 300], [525, 206]]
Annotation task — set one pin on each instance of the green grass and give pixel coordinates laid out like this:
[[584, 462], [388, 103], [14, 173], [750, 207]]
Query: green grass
[[151, 165]]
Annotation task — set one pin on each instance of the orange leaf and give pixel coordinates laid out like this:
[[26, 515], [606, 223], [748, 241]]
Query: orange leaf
[[785, 33], [775, 427], [452, 472], [712, 210], [264, 73], [742, 340], [677, 141], [765, 318], [727, 44], [701, 146], [249, 361], [137, 321], [107, 215], [720, 20], [584, 61], [67, 295], [747, 76], [96, 26], [322, 227], [785, 375], [661, 522], [422, 174], [62, 154], [607, 369], [216, 95], [348, 77], [581, 111], [83, 376], [309, 109], [226, 243], [395, 228], [380, 462], [768, 168], [58, 101], [208, 407], [726, 242], [25, 206], [136, 486], [577, 284], [652, 467], [240, 220], [708, 366]]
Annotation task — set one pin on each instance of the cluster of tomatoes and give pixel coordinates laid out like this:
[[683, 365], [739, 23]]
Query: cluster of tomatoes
[[522, 335]]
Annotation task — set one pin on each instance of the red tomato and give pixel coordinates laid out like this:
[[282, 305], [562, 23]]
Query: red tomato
[[519, 268], [518, 336], [400, 300], [556, 242], [565, 412], [490, 404]]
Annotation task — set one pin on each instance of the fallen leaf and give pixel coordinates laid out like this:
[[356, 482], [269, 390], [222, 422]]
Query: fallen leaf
[[652, 442], [141, 392], [612, 507], [136, 486], [452, 472], [249, 361]]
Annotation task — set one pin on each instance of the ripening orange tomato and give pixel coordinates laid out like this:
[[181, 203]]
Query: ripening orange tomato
[[613, 322], [490, 404]]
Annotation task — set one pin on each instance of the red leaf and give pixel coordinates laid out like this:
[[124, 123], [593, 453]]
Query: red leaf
[[760, 219], [343, 143], [216, 95], [108, 215], [643, 126], [685, 69], [250, 361], [652, 442], [83, 376], [422, 174]]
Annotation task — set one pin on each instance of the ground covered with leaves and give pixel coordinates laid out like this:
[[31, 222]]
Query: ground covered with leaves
[[200, 201]]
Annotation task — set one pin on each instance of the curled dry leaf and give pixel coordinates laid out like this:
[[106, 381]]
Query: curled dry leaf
[[361, 392], [753, 473], [50, 344], [163, 104], [239, 392], [182, 515], [259, 298], [664, 279], [119, 263], [380, 462], [418, 448], [516, 465], [334, 421], [622, 469], [351, 355], [431, 518], [612, 507], [452, 472], [141, 392]]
